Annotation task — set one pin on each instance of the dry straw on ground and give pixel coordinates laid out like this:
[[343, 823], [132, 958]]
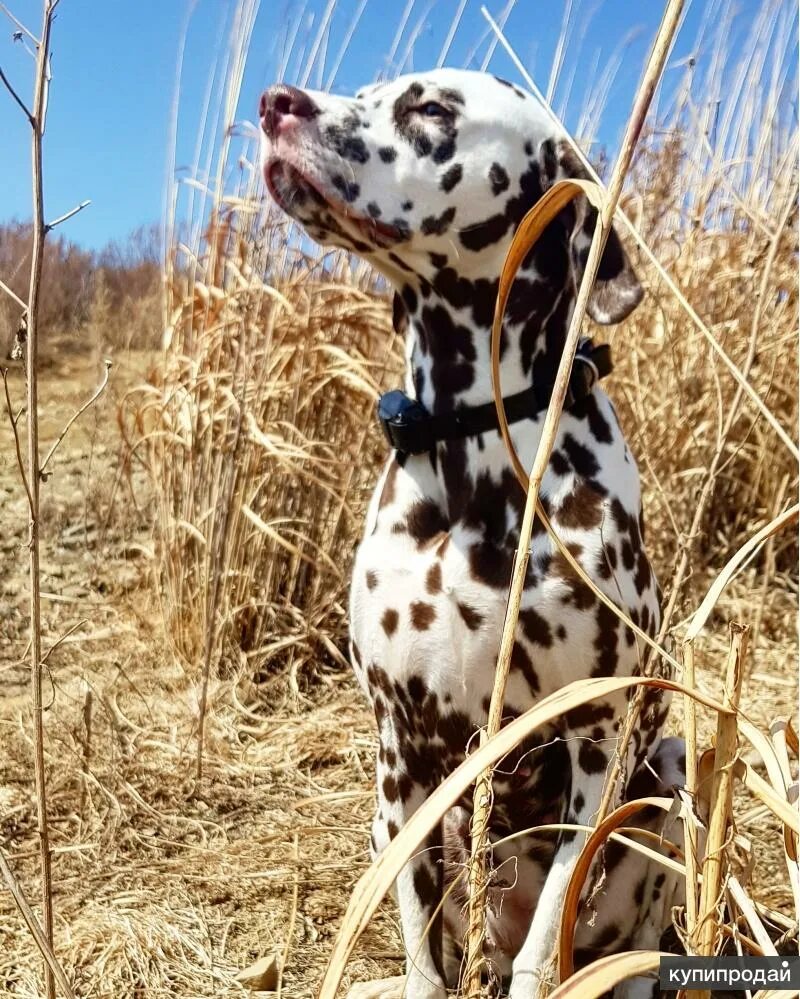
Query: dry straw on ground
[[252, 450]]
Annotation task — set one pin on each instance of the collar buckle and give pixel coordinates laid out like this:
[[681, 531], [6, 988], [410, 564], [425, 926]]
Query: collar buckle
[[406, 423]]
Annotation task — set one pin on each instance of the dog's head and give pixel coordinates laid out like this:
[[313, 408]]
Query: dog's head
[[432, 170]]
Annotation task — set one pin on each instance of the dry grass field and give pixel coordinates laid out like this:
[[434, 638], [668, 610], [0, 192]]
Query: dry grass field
[[165, 885], [209, 759]]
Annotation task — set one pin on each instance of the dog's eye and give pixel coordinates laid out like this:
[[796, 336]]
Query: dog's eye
[[433, 110]]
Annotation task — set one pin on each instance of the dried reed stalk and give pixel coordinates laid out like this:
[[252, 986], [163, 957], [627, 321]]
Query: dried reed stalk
[[34, 475], [706, 931], [690, 826], [532, 226], [595, 841], [605, 218], [34, 928]]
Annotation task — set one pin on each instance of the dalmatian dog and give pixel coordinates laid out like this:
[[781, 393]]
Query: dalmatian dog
[[427, 178]]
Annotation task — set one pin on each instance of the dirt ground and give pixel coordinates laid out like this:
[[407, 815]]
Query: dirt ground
[[165, 885]]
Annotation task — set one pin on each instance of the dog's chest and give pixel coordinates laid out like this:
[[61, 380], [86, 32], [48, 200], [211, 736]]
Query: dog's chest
[[431, 577]]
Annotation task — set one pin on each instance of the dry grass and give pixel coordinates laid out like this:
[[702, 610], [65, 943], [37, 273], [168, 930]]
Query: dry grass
[[250, 451]]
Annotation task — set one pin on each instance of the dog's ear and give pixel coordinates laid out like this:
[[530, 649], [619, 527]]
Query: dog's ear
[[616, 291]]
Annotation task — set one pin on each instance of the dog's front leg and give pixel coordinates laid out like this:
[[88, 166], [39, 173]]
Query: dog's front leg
[[591, 749], [419, 885]]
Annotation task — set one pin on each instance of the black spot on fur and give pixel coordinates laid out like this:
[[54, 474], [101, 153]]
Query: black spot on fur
[[399, 315], [451, 95], [452, 351], [347, 188], [425, 520], [433, 226], [591, 759], [452, 177], [536, 627], [409, 298], [606, 642], [445, 150], [403, 233], [482, 234], [471, 618], [580, 457], [510, 86], [498, 178], [422, 144], [521, 662], [345, 143]]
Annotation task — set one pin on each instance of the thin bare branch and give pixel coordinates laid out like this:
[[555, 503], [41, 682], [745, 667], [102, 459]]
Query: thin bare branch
[[94, 397], [19, 24], [61, 639], [16, 96], [68, 215], [4, 287], [17, 446]]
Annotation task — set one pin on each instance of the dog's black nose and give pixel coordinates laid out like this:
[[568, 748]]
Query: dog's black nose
[[281, 100]]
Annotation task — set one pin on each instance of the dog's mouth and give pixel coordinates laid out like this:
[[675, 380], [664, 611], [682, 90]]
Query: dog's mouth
[[303, 199], [290, 189]]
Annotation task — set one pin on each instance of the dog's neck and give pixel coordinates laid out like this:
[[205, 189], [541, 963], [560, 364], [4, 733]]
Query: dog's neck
[[447, 323]]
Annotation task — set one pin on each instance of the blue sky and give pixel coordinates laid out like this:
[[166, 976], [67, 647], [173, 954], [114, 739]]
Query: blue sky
[[114, 72]]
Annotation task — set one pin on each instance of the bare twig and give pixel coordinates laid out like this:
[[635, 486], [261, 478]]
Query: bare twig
[[95, 396], [87, 743], [17, 446], [15, 95], [68, 215], [4, 287], [19, 24], [292, 918], [63, 638]]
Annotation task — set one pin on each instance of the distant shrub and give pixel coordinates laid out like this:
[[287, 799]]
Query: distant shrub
[[107, 299]]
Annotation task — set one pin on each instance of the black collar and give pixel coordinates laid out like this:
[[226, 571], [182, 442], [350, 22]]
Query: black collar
[[411, 429]]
